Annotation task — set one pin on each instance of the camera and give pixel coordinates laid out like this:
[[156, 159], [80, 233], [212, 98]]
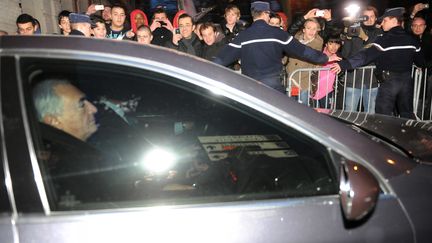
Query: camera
[[353, 25], [162, 23], [426, 5], [319, 13], [177, 31], [99, 7]]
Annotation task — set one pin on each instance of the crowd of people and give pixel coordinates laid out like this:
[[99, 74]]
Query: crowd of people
[[269, 48]]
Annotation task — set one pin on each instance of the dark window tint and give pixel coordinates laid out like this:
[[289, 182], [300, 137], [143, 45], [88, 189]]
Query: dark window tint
[[161, 140]]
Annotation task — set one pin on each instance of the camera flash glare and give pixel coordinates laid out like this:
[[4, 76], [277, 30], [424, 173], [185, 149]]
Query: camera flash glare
[[352, 9]]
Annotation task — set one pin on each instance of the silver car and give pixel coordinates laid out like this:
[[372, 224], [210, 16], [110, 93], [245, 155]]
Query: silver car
[[183, 150]]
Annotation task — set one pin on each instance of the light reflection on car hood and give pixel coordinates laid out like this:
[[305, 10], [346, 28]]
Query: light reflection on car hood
[[414, 136]]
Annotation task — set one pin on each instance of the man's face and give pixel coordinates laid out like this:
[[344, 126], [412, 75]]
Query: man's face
[[160, 17], [209, 36], [310, 30], [65, 25], [231, 17], [77, 118], [26, 28], [275, 22], [99, 31], [139, 20], [85, 29], [118, 17], [388, 23], [418, 26], [371, 18], [332, 47], [144, 37], [186, 27]]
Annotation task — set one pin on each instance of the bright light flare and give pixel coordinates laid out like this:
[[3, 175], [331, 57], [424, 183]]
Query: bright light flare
[[352, 9], [158, 160]]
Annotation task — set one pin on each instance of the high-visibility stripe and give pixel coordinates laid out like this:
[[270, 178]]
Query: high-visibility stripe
[[261, 40], [395, 47]]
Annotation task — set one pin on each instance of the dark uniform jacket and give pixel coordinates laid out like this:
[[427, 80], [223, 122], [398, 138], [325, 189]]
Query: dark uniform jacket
[[394, 51], [76, 32], [261, 48]]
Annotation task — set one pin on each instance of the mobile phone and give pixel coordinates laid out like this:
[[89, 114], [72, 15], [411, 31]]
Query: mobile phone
[[162, 23], [319, 13], [99, 7], [426, 5], [177, 31]]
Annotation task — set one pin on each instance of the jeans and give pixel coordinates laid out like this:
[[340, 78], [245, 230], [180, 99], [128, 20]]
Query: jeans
[[352, 99], [304, 97]]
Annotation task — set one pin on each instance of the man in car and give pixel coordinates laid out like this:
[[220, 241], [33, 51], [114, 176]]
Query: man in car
[[79, 171], [26, 24], [61, 105]]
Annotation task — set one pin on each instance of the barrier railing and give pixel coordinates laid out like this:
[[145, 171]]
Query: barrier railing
[[353, 90]]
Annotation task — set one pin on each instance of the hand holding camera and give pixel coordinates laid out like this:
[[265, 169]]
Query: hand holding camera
[[176, 36], [319, 13], [419, 7], [363, 35]]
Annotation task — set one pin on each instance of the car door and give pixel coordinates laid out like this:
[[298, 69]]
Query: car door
[[171, 161]]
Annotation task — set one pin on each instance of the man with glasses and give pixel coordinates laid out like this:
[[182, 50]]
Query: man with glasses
[[261, 48], [418, 28], [184, 39]]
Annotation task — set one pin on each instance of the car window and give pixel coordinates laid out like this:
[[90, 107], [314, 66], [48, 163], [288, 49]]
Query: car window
[[158, 140]]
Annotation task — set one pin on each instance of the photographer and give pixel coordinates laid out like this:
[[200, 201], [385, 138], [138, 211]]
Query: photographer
[[355, 41], [324, 17], [161, 27], [184, 39]]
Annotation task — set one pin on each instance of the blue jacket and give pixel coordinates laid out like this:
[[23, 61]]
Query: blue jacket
[[261, 48]]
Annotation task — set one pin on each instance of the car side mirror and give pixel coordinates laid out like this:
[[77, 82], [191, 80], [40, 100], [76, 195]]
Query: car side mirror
[[358, 190]]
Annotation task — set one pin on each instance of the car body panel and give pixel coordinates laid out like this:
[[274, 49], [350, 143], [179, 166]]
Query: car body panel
[[309, 219], [228, 223]]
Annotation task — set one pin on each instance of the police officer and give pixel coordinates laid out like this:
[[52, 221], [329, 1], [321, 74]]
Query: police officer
[[261, 48], [394, 53]]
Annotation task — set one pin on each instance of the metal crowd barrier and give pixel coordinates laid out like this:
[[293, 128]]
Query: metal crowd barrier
[[353, 90]]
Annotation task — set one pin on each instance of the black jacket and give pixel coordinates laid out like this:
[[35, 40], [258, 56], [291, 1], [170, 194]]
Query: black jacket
[[210, 52], [231, 35], [394, 51], [161, 36], [351, 47], [76, 32], [191, 46]]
